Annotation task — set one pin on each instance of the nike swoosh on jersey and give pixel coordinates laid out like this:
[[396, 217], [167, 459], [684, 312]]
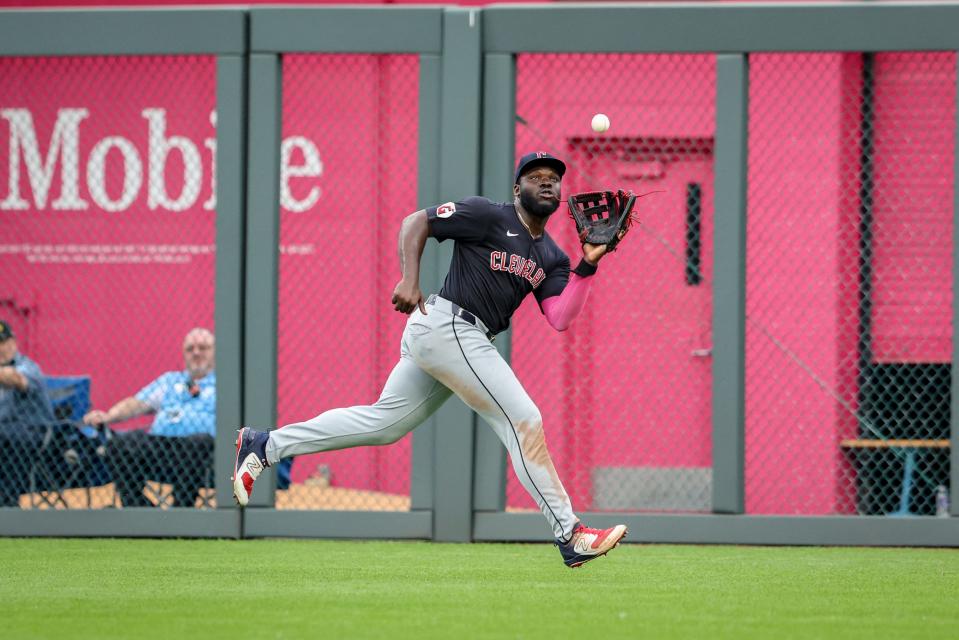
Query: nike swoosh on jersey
[[511, 234]]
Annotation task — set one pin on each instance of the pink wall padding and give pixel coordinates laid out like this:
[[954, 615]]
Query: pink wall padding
[[803, 266], [915, 145], [621, 387], [339, 335], [108, 293], [801, 278]]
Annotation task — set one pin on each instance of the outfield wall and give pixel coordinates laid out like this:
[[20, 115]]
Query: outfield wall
[[110, 213]]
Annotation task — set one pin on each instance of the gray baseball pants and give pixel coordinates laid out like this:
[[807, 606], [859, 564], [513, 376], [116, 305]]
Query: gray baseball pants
[[442, 354]]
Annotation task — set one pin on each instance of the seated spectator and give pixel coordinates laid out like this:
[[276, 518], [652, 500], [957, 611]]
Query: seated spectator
[[25, 414], [179, 446]]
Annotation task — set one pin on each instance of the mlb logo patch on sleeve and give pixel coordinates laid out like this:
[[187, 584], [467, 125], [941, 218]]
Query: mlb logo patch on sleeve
[[445, 210]]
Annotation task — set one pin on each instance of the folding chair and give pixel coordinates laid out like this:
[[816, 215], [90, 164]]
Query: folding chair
[[71, 454]]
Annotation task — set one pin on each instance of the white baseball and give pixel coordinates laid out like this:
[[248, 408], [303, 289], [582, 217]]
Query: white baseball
[[600, 122]]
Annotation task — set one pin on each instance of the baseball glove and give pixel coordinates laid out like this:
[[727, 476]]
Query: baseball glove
[[600, 216]]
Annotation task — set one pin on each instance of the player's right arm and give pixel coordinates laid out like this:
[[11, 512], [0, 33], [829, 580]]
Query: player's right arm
[[413, 233]]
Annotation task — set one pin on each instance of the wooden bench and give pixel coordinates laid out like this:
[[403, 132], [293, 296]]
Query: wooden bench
[[909, 465]]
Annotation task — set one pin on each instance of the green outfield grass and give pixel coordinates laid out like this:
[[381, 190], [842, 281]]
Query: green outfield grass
[[342, 590]]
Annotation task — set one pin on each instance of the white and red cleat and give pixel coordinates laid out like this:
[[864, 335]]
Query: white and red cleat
[[586, 544], [250, 462]]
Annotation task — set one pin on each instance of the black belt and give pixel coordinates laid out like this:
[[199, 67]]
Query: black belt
[[462, 313]]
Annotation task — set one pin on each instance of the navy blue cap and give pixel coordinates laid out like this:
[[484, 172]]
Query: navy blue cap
[[539, 159]]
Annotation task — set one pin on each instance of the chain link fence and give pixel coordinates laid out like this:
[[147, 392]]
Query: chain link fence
[[849, 265], [849, 282], [642, 343], [107, 249], [350, 134]]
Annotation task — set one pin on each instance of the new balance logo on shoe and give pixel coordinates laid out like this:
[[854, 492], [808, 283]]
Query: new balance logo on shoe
[[584, 543], [253, 465]]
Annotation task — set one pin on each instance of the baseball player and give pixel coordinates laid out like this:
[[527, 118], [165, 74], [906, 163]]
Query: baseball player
[[501, 254]]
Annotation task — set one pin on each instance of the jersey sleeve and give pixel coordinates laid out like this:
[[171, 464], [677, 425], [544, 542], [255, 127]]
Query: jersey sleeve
[[467, 220], [555, 282]]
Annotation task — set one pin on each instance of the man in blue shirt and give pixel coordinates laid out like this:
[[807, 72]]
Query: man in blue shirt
[[179, 446], [25, 414]]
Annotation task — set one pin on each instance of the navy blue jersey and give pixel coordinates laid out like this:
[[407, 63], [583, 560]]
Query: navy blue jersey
[[496, 262]]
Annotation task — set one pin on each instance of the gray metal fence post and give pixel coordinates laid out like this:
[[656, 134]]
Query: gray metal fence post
[[499, 123], [230, 244], [424, 437], [263, 249], [729, 283], [459, 177], [954, 396]]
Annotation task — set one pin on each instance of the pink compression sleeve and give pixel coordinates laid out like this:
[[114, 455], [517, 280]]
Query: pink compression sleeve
[[560, 310]]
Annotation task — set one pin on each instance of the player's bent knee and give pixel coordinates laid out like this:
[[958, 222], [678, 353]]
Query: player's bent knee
[[533, 415], [530, 422]]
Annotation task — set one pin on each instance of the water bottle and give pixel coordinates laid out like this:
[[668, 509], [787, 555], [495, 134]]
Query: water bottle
[[942, 501]]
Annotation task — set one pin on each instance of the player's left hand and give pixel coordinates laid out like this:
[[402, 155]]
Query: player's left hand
[[593, 252]]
